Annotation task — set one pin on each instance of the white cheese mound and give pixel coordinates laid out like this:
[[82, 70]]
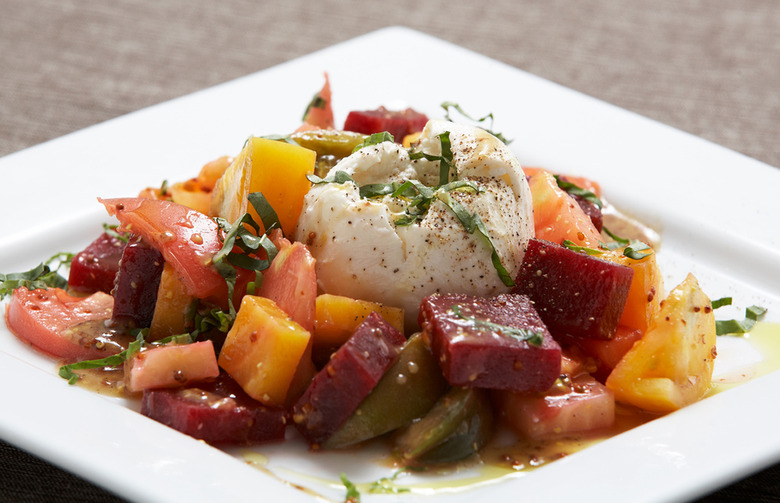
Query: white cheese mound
[[361, 252]]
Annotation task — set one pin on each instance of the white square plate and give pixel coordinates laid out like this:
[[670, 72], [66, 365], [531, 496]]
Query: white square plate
[[713, 206]]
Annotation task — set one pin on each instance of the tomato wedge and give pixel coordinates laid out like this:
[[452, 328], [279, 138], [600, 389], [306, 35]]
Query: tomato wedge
[[188, 240], [60, 324]]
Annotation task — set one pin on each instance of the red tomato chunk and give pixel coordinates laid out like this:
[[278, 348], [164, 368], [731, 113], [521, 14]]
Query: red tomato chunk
[[94, 268], [398, 124]]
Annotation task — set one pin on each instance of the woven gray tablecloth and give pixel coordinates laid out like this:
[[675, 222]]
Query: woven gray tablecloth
[[711, 68]]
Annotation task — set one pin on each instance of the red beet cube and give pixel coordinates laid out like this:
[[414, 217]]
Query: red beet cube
[[135, 290], [348, 377], [217, 412], [398, 124], [94, 268], [575, 294], [490, 342]]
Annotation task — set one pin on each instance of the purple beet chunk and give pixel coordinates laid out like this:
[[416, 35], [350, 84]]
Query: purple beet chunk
[[591, 210], [94, 268], [484, 342], [348, 377], [135, 290], [574, 293], [217, 412]]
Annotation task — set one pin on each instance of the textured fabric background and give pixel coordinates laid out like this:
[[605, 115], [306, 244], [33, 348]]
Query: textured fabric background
[[711, 68]]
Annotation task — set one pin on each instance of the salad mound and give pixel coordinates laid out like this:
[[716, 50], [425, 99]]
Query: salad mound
[[426, 289]]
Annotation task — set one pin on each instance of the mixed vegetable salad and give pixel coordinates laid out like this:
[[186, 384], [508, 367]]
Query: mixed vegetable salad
[[397, 277]]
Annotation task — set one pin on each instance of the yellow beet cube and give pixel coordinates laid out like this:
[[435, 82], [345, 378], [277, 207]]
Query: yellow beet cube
[[263, 350], [337, 317]]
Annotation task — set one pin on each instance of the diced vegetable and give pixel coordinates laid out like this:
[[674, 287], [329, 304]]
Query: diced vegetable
[[62, 325], [646, 292], [347, 379], [333, 142], [671, 366], [263, 350], [277, 169], [187, 239], [573, 405], [609, 352], [406, 392], [457, 426], [574, 293], [319, 112], [135, 291], [171, 366], [397, 123], [94, 268], [291, 283], [172, 307], [338, 316], [557, 216], [497, 343], [217, 412]]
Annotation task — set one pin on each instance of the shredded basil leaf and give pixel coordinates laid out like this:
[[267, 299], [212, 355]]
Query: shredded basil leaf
[[635, 250], [576, 190], [353, 495], [449, 104], [571, 245], [385, 485], [445, 159], [113, 361], [111, 230], [238, 236], [44, 275], [523, 334], [374, 139], [723, 301], [737, 327], [316, 102]]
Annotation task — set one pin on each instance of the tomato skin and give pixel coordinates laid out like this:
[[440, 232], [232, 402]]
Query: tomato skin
[[42, 317], [187, 239], [557, 216]]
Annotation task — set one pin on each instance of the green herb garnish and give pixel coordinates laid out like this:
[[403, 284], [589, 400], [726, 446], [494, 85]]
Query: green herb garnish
[[737, 327], [571, 245], [449, 104], [576, 190], [445, 159], [353, 495], [523, 334], [374, 139], [316, 102], [113, 361], [111, 230], [238, 236], [44, 275], [636, 250]]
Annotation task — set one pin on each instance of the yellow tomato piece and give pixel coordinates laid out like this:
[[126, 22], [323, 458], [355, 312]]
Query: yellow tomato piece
[[645, 293], [337, 317], [277, 169], [172, 306], [671, 366], [263, 350]]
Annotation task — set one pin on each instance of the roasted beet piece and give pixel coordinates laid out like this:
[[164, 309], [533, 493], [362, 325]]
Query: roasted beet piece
[[398, 124], [348, 377], [217, 412], [591, 210], [135, 290], [484, 341], [94, 268], [575, 294]]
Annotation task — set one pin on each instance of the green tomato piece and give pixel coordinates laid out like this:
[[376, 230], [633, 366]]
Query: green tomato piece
[[406, 392], [329, 142], [455, 428]]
